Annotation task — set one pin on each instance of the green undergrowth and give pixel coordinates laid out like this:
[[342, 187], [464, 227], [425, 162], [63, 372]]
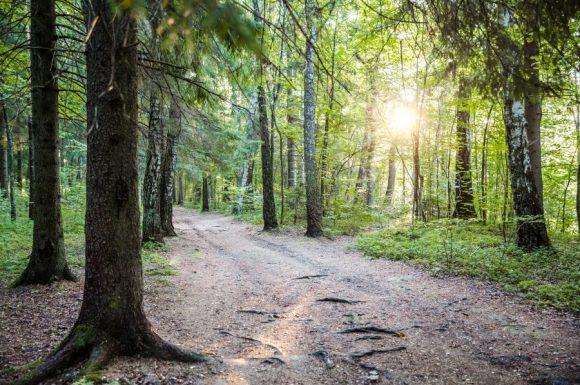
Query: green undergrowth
[[547, 276], [16, 238]]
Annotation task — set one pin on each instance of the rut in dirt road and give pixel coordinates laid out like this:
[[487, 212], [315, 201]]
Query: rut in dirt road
[[282, 308]]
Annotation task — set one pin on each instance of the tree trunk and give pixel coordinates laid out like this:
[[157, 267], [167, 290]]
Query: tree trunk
[[464, 206], [111, 319], [291, 155], [19, 175], [417, 209], [269, 204], [531, 226], [205, 195], [3, 159], [371, 147], [181, 189], [168, 170], [30, 171], [10, 163], [533, 97], [392, 175], [313, 198], [47, 261], [151, 179]]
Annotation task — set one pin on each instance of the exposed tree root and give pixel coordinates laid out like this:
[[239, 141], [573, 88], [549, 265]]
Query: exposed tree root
[[357, 355], [372, 329], [84, 344], [311, 276], [338, 300]]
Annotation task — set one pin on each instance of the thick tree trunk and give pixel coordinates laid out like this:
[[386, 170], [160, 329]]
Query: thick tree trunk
[[392, 175], [269, 204], [30, 170], [531, 225], [313, 198], [47, 261], [111, 319], [533, 106], [205, 195], [152, 178], [464, 206]]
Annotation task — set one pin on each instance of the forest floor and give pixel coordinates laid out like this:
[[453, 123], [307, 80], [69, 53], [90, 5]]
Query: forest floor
[[280, 308]]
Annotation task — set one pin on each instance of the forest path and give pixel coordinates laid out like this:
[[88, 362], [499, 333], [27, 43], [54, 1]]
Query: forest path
[[243, 296]]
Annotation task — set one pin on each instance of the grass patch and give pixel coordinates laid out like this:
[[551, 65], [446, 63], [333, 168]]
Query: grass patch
[[16, 238], [549, 277]]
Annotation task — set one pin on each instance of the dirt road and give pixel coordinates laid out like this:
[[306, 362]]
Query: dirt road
[[284, 309]]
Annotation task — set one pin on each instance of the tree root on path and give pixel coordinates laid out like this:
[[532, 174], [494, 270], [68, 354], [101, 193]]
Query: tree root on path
[[96, 350], [373, 329], [357, 355], [338, 300]]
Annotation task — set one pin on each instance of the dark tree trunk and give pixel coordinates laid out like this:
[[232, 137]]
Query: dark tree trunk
[[269, 204], [167, 187], [151, 179], [10, 151], [531, 225], [30, 170], [417, 188], [19, 174], [205, 195], [313, 198], [464, 206], [533, 106], [3, 159], [47, 261], [181, 189], [111, 319], [392, 175], [168, 171]]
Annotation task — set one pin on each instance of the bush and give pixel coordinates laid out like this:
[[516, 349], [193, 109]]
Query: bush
[[548, 276]]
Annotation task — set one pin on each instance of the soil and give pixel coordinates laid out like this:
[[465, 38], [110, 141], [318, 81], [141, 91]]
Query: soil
[[280, 308]]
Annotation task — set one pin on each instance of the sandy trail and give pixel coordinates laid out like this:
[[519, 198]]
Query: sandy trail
[[243, 296]]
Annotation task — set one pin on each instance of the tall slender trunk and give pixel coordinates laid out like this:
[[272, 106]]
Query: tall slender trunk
[[392, 175], [47, 260], [205, 194], [30, 170], [19, 174], [464, 206], [483, 181], [3, 159], [151, 179], [417, 207], [180, 190], [531, 226], [10, 163], [313, 198], [269, 204], [371, 146], [291, 155], [168, 161]]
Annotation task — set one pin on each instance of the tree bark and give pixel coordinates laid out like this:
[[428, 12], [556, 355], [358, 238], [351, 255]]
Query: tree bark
[[464, 206], [269, 204], [168, 170], [47, 260], [19, 174], [152, 178], [10, 163], [30, 170], [3, 160], [392, 175], [531, 225], [181, 189], [313, 198], [205, 195]]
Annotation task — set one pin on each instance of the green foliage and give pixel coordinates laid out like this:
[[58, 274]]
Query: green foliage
[[16, 238], [467, 248]]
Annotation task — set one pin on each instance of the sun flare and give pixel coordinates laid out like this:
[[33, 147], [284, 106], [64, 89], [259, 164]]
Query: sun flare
[[402, 119]]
